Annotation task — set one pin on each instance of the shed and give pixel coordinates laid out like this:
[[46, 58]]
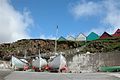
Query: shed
[[70, 38], [105, 35], [117, 33], [92, 36], [81, 37], [61, 39]]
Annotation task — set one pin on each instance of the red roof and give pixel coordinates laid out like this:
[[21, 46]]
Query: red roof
[[117, 33], [105, 35]]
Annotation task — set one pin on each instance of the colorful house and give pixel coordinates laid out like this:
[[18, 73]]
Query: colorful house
[[92, 36], [70, 38], [61, 39], [117, 33], [81, 37], [105, 35]]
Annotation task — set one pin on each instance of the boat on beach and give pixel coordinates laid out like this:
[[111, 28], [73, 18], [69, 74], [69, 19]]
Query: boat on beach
[[58, 63], [18, 63], [39, 63]]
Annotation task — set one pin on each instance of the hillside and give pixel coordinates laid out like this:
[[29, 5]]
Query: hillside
[[103, 45], [32, 46]]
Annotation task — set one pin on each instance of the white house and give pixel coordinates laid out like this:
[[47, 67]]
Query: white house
[[70, 38], [81, 37]]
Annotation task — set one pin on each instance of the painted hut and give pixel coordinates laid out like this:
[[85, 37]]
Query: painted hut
[[70, 38], [117, 33], [105, 35], [61, 39], [81, 37], [92, 36]]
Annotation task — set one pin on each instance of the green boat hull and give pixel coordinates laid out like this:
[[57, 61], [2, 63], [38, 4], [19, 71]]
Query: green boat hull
[[110, 68]]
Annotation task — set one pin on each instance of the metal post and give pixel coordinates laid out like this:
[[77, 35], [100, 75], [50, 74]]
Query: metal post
[[25, 55], [39, 60], [56, 40]]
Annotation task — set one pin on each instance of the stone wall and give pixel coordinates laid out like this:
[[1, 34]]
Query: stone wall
[[90, 62]]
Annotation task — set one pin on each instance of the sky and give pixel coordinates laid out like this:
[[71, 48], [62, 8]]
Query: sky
[[26, 19]]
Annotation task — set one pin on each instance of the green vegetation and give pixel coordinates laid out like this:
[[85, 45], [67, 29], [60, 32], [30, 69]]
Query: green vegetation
[[103, 45]]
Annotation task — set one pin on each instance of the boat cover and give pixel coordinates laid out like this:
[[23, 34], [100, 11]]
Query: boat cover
[[18, 63], [58, 62]]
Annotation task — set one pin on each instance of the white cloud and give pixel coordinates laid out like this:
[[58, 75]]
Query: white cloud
[[112, 15], [109, 9], [85, 9], [13, 24]]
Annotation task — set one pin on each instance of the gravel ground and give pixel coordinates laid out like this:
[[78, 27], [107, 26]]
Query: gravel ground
[[59, 76], [4, 73]]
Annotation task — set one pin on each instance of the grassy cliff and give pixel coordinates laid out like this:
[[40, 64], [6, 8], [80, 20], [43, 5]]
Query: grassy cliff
[[103, 45]]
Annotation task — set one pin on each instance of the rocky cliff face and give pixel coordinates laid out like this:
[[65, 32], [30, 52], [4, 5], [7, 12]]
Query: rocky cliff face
[[32, 46]]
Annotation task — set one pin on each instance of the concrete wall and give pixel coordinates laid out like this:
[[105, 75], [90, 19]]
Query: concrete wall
[[90, 62]]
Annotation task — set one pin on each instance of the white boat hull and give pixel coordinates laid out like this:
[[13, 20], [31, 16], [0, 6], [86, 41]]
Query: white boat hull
[[18, 63], [39, 63], [58, 62]]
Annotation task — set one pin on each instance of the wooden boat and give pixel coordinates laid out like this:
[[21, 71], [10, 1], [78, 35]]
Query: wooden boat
[[18, 63], [109, 68], [58, 63], [39, 63]]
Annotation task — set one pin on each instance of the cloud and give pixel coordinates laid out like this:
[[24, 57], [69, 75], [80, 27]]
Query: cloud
[[85, 9], [112, 15], [13, 24], [109, 9]]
